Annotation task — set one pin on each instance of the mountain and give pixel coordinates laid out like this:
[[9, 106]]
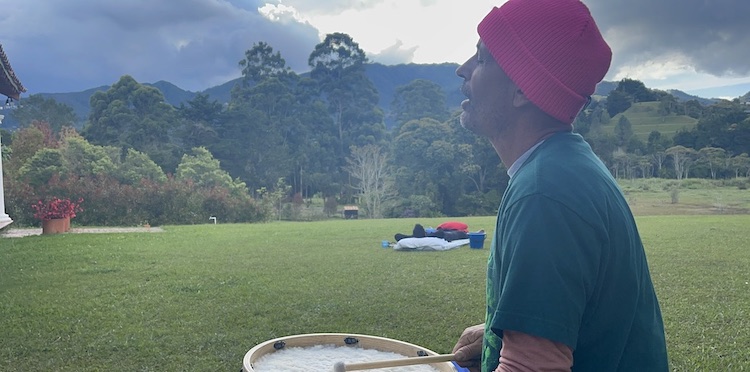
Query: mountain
[[603, 88], [78, 101], [222, 92], [173, 94], [724, 92], [684, 97], [386, 80]]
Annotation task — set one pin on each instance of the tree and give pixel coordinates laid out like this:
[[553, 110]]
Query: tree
[[38, 108], [131, 115], [636, 90], [83, 159], [337, 55], [274, 200], [621, 162], [200, 118], [714, 157], [646, 165], [667, 104], [682, 157], [694, 109], [623, 132], [724, 125], [427, 161], [419, 99], [45, 164], [656, 146], [26, 142], [338, 68], [617, 102], [206, 172], [369, 166], [138, 166], [261, 62], [740, 163]]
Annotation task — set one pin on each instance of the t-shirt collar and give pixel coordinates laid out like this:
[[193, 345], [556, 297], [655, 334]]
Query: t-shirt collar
[[522, 159]]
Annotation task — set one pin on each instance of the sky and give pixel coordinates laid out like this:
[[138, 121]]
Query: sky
[[701, 47]]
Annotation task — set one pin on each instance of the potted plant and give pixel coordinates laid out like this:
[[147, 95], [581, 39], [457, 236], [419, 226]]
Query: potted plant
[[55, 214]]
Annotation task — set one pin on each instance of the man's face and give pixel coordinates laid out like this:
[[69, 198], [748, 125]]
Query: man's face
[[490, 94]]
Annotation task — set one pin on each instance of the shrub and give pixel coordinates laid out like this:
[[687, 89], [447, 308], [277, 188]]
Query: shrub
[[414, 206], [330, 206], [110, 203], [697, 184], [675, 195]]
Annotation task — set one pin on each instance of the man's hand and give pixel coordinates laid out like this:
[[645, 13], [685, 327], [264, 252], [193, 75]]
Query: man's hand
[[468, 349]]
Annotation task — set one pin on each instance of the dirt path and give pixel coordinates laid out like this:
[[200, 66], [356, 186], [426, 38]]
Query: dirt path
[[19, 233]]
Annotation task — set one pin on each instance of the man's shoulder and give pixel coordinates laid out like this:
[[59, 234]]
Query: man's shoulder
[[566, 171]]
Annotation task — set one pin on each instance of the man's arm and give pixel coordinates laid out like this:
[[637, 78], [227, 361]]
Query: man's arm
[[522, 352]]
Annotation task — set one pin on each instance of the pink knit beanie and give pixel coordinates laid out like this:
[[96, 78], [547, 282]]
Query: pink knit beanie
[[551, 49]]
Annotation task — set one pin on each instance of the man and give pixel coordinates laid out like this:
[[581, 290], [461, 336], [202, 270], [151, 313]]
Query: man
[[568, 285]]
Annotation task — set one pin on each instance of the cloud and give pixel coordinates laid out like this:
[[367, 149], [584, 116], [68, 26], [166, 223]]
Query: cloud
[[394, 54], [710, 36], [58, 46], [318, 7], [80, 44]]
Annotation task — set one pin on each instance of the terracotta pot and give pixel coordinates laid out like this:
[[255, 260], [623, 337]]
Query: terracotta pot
[[67, 224], [55, 226]]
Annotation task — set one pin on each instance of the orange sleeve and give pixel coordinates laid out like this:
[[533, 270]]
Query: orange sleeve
[[522, 352]]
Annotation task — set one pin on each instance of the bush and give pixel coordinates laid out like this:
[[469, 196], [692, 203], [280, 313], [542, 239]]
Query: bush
[[107, 202], [330, 206], [740, 183], [674, 194], [414, 206], [697, 184]]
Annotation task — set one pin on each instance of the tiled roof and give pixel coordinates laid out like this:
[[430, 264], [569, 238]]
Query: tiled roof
[[9, 84]]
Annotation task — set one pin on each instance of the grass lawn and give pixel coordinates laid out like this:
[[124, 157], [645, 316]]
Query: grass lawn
[[197, 298], [652, 196]]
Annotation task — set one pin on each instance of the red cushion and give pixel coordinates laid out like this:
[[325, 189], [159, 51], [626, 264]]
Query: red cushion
[[454, 225]]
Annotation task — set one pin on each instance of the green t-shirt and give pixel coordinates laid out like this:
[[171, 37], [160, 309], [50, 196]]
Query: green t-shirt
[[567, 264]]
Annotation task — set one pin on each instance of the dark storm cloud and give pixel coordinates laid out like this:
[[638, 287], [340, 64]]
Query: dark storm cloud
[[59, 46], [713, 34]]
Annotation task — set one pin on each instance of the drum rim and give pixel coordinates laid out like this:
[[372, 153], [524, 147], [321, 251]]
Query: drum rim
[[248, 359]]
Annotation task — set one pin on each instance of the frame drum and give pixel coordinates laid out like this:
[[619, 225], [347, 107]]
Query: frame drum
[[341, 339]]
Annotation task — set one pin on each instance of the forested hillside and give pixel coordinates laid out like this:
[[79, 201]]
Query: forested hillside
[[153, 152]]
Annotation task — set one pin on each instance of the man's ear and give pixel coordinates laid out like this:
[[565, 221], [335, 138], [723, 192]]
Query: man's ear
[[519, 98]]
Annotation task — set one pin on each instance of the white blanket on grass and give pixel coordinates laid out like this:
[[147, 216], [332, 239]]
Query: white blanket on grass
[[428, 244]]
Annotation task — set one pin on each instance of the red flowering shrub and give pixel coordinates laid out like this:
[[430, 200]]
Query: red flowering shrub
[[56, 208]]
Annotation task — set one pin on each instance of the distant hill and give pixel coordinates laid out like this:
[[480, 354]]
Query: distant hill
[[684, 97], [603, 88], [645, 118], [724, 92], [385, 78], [173, 94], [78, 101], [222, 93]]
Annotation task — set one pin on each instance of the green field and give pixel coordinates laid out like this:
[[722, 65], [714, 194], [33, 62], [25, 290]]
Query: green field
[[197, 298], [645, 118], [653, 196]]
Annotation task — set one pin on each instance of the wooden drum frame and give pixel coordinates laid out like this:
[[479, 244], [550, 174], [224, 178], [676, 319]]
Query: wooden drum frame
[[341, 339]]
